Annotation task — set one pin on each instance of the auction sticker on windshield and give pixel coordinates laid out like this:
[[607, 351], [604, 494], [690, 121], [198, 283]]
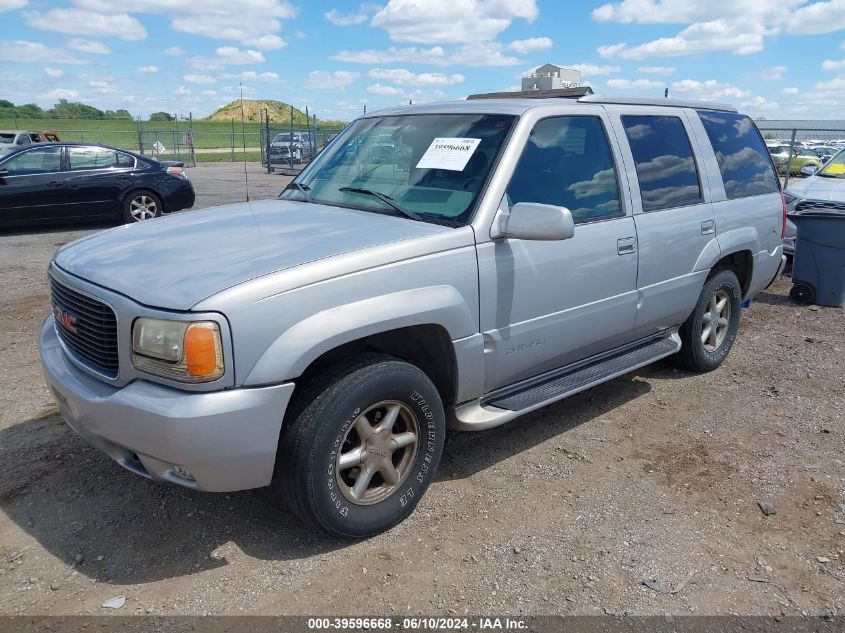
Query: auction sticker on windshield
[[448, 153]]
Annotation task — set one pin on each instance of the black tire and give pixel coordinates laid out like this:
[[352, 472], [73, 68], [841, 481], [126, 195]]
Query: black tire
[[803, 293], [701, 356], [130, 208], [309, 476]]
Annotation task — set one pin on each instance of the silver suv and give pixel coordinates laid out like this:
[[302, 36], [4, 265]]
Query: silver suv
[[514, 251]]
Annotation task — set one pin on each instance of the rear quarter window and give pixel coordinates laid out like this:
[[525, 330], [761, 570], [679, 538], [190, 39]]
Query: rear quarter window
[[742, 156]]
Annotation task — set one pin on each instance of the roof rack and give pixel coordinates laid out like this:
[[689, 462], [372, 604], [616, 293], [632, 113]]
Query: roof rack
[[585, 94], [559, 93]]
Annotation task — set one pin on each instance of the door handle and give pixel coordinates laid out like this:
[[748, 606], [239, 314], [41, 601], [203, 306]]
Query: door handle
[[626, 245], [708, 227]]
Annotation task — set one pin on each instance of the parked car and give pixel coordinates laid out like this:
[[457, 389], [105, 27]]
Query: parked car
[[73, 181], [822, 191], [320, 341], [801, 157], [824, 152], [9, 139], [286, 147]]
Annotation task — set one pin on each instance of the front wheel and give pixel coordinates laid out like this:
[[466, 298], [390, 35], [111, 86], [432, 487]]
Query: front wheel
[[709, 333], [364, 447]]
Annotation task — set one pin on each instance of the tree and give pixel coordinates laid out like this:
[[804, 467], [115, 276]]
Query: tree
[[118, 114], [161, 116], [65, 109]]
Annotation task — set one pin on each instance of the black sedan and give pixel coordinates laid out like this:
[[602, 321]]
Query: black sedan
[[75, 181]]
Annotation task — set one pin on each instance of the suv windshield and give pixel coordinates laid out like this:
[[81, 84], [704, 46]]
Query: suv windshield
[[433, 165], [7, 138], [835, 167]]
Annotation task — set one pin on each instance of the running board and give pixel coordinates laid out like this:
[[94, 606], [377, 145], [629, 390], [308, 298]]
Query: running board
[[506, 404]]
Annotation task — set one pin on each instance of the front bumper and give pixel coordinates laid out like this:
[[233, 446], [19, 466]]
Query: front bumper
[[226, 439]]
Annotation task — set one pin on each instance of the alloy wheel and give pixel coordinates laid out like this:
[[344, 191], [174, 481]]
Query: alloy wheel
[[377, 452], [717, 318], [143, 207]]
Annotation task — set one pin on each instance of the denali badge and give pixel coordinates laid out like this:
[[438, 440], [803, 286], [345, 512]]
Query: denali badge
[[65, 319]]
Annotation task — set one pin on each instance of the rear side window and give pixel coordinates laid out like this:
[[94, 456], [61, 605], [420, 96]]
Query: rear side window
[[665, 164], [567, 162], [82, 158], [743, 160]]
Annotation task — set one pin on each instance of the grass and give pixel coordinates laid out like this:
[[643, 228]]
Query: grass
[[124, 133]]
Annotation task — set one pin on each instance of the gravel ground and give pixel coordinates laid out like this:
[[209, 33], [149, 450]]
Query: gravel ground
[[654, 477]]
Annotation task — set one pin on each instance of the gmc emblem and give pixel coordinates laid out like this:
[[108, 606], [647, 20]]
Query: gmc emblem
[[65, 319]]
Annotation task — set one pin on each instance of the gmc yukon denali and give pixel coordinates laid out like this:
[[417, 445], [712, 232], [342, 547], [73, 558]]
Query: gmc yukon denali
[[490, 257]]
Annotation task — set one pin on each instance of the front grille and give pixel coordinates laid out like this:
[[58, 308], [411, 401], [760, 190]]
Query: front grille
[[87, 327], [820, 205]]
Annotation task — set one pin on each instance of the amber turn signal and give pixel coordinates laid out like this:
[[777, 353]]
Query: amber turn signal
[[202, 350]]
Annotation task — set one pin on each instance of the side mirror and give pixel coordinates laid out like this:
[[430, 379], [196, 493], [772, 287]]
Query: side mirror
[[809, 170], [535, 221], [4, 173]]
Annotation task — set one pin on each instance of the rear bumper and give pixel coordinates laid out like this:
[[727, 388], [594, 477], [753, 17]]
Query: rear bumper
[[226, 440], [183, 198]]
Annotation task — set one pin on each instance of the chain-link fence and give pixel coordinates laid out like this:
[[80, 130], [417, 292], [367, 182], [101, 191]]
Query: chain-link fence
[[203, 141], [798, 152]]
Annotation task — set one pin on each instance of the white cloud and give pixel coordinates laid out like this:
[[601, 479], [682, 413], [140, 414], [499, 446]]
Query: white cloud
[[775, 73], [209, 93], [817, 18], [199, 79], [227, 56], [685, 11], [790, 91], [9, 5], [830, 64], [336, 17], [378, 89], [450, 21], [24, 51], [709, 90], [102, 86], [183, 90], [833, 84], [53, 73], [265, 42], [759, 104], [656, 70], [243, 20], [635, 84], [300, 35], [174, 51], [531, 44], [88, 46], [593, 69], [147, 69], [696, 38], [251, 75], [81, 22], [60, 93], [406, 77], [480, 54], [325, 80]]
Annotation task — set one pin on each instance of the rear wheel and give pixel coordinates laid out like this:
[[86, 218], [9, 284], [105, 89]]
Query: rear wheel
[[709, 333], [141, 205], [363, 448]]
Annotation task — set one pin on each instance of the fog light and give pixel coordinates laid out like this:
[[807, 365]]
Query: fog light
[[181, 471]]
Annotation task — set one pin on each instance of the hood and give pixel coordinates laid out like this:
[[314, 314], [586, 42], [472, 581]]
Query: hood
[[819, 188], [176, 261]]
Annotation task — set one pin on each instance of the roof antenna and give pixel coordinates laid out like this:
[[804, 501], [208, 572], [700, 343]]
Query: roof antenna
[[243, 139]]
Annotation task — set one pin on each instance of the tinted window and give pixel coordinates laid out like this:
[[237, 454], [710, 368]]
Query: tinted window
[[97, 158], [665, 164], [743, 160], [43, 160], [567, 162]]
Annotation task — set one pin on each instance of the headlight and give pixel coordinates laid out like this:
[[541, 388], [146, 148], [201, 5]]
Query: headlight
[[179, 350]]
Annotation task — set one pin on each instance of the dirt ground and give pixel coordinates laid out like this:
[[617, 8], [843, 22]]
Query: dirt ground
[[654, 477]]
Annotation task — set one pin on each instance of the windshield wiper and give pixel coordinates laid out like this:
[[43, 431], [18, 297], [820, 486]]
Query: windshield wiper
[[303, 189], [828, 175], [386, 199]]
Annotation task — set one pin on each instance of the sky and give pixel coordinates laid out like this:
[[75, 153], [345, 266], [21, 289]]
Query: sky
[[778, 60]]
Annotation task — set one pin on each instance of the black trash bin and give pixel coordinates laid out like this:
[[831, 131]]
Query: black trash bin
[[818, 267]]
